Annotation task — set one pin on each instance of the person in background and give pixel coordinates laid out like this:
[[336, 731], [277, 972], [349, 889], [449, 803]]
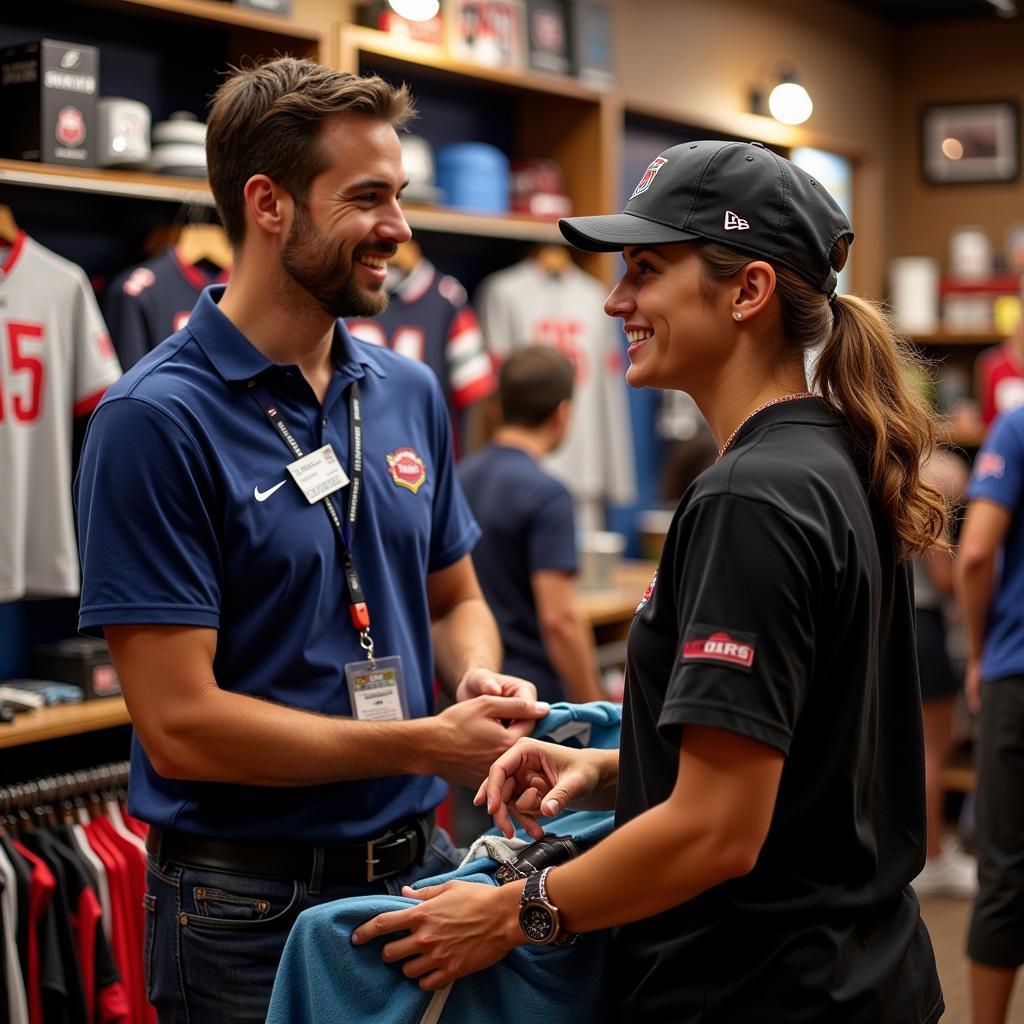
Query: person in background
[[526, 557], [769, 788], [275, 545], [948, 871], [999, 374], [989, 575]]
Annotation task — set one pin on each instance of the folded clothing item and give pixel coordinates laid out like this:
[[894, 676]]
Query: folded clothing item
[[47, 691]]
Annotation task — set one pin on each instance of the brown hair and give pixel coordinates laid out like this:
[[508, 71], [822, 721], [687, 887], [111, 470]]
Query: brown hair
[[266, 118], [863, 372], [532, 384]]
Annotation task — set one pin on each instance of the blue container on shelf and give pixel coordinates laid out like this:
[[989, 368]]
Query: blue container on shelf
[[474, 176]]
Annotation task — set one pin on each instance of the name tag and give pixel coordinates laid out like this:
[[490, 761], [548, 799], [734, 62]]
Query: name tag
[[318, 474], [377, 690]]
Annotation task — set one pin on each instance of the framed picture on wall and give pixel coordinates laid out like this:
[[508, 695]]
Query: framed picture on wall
[[970, 142]]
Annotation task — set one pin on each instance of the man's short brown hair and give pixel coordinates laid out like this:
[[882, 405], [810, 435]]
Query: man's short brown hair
[[266, 118], [532, 384]]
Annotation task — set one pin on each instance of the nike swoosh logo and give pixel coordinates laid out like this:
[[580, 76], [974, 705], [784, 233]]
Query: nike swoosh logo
[[263, 495]]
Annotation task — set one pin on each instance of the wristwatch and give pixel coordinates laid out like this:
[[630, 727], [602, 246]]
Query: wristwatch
[[539, 917]]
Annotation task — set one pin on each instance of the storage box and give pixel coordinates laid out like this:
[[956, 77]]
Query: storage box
[[590, 37], [48, 95], [491, 32], [547, 36], [80, 660]]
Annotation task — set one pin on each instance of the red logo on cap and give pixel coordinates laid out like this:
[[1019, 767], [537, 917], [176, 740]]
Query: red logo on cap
[[406, 468], [70, 127], [719, 647], [645, 182]]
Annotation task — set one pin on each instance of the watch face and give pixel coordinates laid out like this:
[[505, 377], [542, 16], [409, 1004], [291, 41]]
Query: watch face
[[537, 922]]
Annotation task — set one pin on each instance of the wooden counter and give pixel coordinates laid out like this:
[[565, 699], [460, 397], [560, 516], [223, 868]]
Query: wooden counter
[[616, 606]]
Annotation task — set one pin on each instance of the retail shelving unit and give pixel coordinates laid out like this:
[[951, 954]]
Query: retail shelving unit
[[63, 720]]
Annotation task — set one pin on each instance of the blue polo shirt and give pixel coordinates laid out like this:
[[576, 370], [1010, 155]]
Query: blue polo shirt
[[182, 522], [998, 475]]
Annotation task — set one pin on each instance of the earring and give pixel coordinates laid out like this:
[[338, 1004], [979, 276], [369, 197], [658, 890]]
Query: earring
[[737, 316]]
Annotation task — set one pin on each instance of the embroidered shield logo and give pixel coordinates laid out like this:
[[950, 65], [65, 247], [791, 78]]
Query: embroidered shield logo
[[406, 469]]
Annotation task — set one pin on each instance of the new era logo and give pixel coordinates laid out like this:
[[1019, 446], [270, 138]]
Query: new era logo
[[733, 222]]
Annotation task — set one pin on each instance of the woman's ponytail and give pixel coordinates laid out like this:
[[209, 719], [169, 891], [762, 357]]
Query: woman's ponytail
[[864, 372]]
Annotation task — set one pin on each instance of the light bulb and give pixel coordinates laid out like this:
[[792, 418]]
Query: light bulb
[[790, 103], [415, 10]]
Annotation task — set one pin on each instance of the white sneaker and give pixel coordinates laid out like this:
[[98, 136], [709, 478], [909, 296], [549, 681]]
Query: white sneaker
[[951, 873]]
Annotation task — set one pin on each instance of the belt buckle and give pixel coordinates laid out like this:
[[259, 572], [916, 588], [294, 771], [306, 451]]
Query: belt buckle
[[372, 861]]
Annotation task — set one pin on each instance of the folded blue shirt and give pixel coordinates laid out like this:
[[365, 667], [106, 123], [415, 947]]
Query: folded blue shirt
[[324, 978]]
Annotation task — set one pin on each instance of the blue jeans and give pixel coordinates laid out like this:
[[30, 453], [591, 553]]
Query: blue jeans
[[214, 940]]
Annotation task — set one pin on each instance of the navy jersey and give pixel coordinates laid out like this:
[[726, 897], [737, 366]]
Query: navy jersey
[[151, 302], [429, 320]]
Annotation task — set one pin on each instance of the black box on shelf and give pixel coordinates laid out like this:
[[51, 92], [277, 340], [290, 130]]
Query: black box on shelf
[[590, 38], [267, 6], [547, 36], [48, 95], [80, 660]]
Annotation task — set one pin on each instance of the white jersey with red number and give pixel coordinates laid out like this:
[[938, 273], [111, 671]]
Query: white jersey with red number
[[56, 361], [525, 305]]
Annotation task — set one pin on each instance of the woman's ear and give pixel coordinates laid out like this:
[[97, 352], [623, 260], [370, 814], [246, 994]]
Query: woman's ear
[[754, 287]]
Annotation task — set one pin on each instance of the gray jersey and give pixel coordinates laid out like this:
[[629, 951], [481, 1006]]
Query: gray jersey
[[56, 361], [525, 305]]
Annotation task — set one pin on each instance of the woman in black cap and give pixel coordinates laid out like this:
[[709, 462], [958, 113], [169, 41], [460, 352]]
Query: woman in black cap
[[769, 789]]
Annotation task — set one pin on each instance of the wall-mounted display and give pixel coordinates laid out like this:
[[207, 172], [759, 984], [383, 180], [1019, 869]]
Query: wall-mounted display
[[488, 32], [970, 142]]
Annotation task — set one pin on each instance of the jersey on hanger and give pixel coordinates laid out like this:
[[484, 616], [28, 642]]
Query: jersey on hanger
[[152, 301], [525, 305], [1000, 381], [428, 320], [56, 361]]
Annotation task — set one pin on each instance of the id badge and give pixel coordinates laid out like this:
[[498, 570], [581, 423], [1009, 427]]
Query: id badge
[[377, 689], [318, 474]]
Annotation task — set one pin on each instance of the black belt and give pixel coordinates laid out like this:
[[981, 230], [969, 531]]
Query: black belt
[[343, 864]]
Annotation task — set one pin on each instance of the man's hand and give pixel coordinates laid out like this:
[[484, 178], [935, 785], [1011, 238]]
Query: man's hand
[[972, 686], [475, 732], [459, 928], [482, 682]]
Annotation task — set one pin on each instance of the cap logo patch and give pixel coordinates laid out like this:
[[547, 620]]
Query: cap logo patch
[[733, 222], [709, 643], [406, 469], [989, 464], [649, 175]]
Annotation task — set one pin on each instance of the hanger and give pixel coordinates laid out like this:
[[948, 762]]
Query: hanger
[[553, 259], [200, 243], [9, 229], [408, 256]]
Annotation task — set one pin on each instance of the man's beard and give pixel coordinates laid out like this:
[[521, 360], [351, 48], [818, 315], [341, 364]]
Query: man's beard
[[323, 270]]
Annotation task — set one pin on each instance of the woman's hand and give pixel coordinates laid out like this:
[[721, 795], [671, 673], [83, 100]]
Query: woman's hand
[[535, 779], [459, 928]]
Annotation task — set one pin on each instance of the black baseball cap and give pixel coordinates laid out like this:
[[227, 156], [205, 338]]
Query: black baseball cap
[[736, 193]]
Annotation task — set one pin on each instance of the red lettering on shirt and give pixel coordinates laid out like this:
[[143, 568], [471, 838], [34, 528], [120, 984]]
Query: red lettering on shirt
[[720, 646]]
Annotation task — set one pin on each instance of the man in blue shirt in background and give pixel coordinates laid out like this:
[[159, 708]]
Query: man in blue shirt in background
[[277, 550], [526, 557], [990, 578]]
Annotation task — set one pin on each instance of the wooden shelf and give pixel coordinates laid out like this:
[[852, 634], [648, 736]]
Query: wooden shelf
[[617, 604], [974, 338], [99, 181], [213, 13], [142, 185], [357, 39], [64, 720]]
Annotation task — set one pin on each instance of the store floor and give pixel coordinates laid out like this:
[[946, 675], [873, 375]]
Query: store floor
[[947, 921]]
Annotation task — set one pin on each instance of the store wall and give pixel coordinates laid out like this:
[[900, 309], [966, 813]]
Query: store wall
[[953, 61], [700, 60]]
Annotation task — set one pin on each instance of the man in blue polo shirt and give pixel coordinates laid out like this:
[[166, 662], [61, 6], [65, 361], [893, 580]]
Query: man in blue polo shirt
[[277, 551], [990, 577]]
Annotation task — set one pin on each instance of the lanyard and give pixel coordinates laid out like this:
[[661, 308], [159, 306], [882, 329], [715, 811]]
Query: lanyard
[[344, 528]]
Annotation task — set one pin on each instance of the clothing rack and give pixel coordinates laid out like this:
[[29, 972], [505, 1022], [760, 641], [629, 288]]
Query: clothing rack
[[48, 792]]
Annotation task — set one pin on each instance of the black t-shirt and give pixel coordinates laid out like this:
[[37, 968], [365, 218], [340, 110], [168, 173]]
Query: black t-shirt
[[780, 613], [526, 519]]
